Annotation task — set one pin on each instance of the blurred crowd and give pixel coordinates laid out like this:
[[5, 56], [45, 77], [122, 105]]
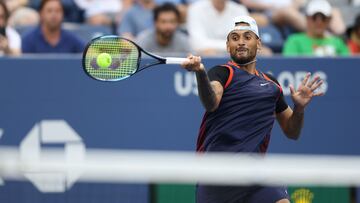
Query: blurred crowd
[[177, 27]]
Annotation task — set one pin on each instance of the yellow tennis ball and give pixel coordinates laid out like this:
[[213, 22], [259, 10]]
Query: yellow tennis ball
[[103, 60]]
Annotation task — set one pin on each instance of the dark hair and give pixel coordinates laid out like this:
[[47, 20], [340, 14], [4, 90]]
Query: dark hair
[[6, 11], [44, 2], [166, 7]]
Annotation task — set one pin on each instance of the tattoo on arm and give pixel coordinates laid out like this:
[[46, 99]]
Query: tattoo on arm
[[210, 93]]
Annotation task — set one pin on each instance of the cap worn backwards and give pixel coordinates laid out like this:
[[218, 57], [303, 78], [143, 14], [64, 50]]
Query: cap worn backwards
[[252, 26]]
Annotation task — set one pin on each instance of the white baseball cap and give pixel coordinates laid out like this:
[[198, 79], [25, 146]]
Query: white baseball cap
[[318, 6], [248, 20]]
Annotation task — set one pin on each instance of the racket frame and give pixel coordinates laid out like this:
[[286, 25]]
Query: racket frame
[[160, 59]]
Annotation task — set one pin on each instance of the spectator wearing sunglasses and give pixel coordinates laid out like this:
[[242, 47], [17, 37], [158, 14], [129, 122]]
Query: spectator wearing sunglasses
[[316, 40]]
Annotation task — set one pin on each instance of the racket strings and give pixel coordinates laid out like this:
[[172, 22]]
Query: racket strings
[[124, 55]]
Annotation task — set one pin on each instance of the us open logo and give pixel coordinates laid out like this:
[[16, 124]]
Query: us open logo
[[185, 82]]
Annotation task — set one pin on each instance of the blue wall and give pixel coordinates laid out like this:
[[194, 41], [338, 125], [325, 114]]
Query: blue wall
[[159, 109]]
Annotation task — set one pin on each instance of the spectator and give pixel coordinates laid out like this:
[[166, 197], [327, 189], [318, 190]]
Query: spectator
[[100, 12], [315, 41], [182, 6], [208, 24], [49, 37], [10, 41], [354, 37], [164, 38], [137, 18]]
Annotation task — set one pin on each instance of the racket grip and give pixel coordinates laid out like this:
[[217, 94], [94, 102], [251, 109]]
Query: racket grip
[[175, 60]]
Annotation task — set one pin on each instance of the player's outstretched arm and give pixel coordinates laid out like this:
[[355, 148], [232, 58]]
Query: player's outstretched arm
[[291, 121], [210, 93]]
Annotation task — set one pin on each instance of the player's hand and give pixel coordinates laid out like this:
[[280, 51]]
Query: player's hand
[[306, 91], [193, 64]]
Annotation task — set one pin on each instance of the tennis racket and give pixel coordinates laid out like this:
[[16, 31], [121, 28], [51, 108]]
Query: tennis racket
[[121, 58]]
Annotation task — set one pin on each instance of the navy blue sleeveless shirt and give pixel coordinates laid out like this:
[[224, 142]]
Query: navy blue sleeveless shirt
[[245, 116]]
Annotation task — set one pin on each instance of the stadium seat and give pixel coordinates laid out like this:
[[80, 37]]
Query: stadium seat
[[271, 37]]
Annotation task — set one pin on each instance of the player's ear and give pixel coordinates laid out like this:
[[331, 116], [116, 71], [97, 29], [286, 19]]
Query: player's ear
[[227, 46], [259, 44]]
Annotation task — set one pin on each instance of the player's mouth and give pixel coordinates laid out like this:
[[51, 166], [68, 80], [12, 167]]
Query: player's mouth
[[242, 51]]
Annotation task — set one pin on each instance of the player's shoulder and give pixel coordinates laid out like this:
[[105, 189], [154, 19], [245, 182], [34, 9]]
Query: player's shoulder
[[220, 68], [271, 77]]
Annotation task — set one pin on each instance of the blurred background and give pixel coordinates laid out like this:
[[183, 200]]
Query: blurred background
[[43, 86]]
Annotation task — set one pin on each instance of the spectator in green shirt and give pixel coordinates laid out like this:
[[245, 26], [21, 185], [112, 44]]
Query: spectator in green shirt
[[316, 41]]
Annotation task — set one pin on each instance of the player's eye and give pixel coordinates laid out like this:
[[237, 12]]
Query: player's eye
[[235, 37], [248, 37]]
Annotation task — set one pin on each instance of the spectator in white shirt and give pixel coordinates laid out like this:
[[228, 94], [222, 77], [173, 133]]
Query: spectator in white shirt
[[208, 24]]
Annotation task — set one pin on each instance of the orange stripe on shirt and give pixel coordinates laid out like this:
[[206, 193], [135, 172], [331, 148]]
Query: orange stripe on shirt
[[231, 75]]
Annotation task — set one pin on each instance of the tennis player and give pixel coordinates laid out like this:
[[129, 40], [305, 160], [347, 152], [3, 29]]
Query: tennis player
[[241, 105]]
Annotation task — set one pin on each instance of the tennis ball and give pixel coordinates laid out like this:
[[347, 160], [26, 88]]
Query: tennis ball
[[103, 60]]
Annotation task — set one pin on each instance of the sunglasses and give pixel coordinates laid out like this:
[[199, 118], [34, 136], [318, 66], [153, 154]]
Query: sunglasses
[[320, 16]]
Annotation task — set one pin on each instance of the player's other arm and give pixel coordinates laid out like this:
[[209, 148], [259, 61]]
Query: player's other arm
[[291, 121], [210, 93]]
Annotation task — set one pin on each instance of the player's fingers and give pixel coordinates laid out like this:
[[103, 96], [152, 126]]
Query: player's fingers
[[306, 79], [318, 94], [188, 69], [292, 90], [313, 81], [317, 85], [192, 63], [197, 59]]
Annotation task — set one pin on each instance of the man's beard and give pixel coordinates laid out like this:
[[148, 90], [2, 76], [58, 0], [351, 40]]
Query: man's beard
[[53, 27], [166, 35], [244, 60]]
